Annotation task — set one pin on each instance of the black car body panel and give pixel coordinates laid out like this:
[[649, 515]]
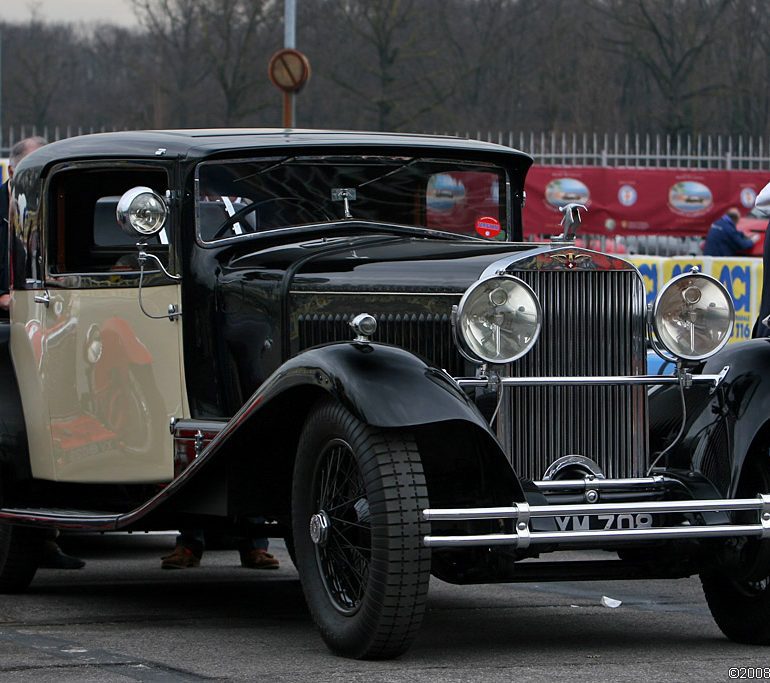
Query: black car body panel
[[725, 426]]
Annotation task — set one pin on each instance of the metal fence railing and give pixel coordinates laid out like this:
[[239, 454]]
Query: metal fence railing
[[643, 151], [568, 149]]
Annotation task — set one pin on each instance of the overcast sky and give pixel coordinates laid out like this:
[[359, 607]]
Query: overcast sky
[[76, 11]]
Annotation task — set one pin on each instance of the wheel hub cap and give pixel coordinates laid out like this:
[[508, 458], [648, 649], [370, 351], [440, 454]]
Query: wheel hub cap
[[319, 528]]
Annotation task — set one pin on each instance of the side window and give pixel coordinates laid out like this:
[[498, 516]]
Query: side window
[[83, 232]]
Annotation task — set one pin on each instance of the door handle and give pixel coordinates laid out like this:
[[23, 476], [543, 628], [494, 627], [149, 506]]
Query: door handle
[[44, 298]]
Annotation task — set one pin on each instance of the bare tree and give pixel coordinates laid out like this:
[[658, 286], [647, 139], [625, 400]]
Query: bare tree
[[564, 66], [236, 43], [386, 67], [46, 62], [746, 66], [487, 48], [669, 39], [174, 29]]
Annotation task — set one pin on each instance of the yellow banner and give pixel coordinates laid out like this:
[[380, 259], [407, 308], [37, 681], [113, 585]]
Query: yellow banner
[[651, 268], [739, 276], [676, 265]]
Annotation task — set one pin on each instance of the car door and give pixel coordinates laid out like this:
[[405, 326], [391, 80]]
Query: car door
[[110, 373]]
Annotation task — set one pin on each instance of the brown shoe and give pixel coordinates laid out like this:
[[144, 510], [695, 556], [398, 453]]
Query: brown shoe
[[181, 558], [256, 558]]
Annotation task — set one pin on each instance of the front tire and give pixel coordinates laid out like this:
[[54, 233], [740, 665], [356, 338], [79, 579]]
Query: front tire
[[358, 494], [739, 598]]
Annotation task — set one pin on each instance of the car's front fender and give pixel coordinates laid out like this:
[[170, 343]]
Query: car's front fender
[[384, 387], [725, 426]]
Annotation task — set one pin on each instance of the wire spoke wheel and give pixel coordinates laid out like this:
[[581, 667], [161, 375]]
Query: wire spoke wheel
[[344, 556], [357, 501]]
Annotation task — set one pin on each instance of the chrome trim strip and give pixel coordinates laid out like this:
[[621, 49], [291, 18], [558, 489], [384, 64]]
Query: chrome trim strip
[[535, 537], [580, 485], [713, 380], [503, 264], [203, 425], [513, 512]]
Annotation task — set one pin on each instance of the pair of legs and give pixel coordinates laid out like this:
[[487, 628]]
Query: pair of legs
[[190, 545]]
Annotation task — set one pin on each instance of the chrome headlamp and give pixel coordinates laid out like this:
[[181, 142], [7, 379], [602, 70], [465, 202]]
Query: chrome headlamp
[[498, 320], [141, 212], [693, 316]]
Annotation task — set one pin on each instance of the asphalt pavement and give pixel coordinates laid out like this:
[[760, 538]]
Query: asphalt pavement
[[122, 618]]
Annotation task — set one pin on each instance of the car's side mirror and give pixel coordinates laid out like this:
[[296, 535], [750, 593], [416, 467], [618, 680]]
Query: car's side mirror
[[141, 212]]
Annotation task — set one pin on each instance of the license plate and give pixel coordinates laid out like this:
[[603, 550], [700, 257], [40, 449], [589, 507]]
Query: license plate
[[603, 522]]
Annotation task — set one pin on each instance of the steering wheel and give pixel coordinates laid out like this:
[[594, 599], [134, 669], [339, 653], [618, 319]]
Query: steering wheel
[[303, 205]]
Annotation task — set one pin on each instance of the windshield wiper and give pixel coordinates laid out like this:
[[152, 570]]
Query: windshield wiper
[[398, 169], [262, 171]]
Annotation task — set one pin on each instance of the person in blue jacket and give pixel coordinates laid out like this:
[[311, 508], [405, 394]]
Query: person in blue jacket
[[724, 238]]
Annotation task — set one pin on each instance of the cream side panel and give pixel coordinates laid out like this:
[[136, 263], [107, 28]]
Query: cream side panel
[[26, 346], [113, 381]]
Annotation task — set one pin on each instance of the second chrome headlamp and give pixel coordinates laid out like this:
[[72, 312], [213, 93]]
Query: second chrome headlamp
[[498, 320], [693, 316]]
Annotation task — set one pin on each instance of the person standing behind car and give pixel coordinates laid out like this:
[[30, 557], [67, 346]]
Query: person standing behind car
[[18, 152], [724, 238]]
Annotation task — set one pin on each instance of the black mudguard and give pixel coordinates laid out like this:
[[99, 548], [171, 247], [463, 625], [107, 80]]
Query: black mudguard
[[382, 385], [724, 426]]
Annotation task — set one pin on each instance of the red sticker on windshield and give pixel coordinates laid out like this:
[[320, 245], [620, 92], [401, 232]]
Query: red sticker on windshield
[[487, 226]]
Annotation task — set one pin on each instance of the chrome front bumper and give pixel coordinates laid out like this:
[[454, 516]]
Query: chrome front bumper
[[525, 536]]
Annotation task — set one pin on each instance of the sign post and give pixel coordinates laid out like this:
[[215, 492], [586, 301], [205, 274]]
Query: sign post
[[288, 70]]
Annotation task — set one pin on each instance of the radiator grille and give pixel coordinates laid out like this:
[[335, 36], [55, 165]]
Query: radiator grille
[[593, 324], [427, 335]]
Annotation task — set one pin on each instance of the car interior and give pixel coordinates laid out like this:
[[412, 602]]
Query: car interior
[[84, 234]]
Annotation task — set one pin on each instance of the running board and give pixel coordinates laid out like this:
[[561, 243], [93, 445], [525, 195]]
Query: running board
[[525, 536], [83, 520]]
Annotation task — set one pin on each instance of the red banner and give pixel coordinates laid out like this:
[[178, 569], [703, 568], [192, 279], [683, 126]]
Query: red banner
[[627, 201]]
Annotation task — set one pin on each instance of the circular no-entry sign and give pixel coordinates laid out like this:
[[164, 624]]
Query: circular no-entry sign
[[289, 70]]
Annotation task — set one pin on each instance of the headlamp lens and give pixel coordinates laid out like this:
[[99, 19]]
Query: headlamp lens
[[694, 316], [499, 319]]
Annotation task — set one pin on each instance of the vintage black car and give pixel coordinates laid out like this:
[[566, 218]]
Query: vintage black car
[[346, 334]]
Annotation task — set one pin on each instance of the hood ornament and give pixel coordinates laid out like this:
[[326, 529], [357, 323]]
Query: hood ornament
[[570, 222]]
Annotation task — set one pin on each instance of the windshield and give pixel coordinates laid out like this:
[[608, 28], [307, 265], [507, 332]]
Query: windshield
[[251, 196]]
